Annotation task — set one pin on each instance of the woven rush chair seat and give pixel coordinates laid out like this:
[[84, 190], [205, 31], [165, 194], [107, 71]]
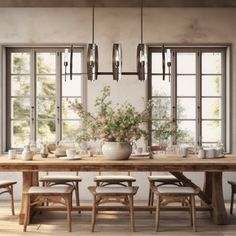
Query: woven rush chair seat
[[175, 191], [123, 195], [163, 178], [38, 195], [114, 190], [58, 178], [124, 180], [69, 180], [233, 191], [7, 187]]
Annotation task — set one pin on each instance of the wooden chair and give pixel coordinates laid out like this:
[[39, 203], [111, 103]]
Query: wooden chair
[[123, 195], [69, 180], [159, 180], [39, 195], [175, 191], [233, 191], [7, 187]]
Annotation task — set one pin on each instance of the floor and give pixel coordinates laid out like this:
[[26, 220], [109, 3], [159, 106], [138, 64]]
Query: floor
[[172, 223]]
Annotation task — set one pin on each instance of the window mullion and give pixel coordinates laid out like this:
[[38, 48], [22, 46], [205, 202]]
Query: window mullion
[[58, 97], [224, 129], [174, 88], [199, 98], [33, 113]]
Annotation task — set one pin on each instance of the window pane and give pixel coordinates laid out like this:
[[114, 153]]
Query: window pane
[[211, 85], [20, 134], [211, 131], [20, 63], [186, 63], [161, 131], [20, 108], [71, 87], [46, 63], [188, 128], [20, 85], [211, 63], [77, 62], [70, 129], [211, 108], [161, 108], [46, 131], [186, 108], [46, 85], [46, 108], [160, 87], [186, 85], [67, 112], [156, 63]]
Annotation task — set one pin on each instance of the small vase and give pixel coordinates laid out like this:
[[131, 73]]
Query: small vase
[[44, 151], [116, 150]]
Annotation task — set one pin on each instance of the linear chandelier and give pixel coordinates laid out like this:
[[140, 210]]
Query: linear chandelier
[[92, 57]]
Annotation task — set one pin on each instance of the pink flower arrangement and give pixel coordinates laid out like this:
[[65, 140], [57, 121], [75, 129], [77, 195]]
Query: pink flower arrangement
[[120, 124]]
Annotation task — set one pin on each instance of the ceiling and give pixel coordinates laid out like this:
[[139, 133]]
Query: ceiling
[[118, 3]]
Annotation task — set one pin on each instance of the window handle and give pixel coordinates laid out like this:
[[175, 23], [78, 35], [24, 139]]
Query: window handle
[[58, 114], [32, 113]]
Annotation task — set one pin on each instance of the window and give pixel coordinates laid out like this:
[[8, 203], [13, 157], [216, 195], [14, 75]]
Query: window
[[192, 96], [37, 104]]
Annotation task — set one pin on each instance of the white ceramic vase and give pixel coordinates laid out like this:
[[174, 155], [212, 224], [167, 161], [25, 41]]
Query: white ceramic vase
[[116, 150]]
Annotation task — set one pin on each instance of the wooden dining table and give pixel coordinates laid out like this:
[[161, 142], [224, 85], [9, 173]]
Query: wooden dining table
[[211, 194]]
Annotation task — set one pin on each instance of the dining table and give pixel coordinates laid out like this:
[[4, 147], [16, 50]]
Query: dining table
[[211, 194]]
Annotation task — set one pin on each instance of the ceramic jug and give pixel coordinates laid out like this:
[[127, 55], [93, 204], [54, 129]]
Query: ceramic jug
[[27, 155]]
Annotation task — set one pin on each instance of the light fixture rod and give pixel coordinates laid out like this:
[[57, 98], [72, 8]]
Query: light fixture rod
[[141, 21], [93, 25]]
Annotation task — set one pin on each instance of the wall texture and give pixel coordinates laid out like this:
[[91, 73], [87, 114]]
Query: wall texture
[[73, 25]]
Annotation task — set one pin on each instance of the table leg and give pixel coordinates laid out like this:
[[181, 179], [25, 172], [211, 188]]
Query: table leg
[[219, 214], [29, 179]]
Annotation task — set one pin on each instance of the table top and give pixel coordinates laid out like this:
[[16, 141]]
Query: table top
[[98, 163]]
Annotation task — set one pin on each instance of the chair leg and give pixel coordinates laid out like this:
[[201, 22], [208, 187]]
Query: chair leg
[[131, 209], [27, 214], [77, 196], [157, 213], [149, 198], [193, 212], [190, 211], [94, 212], [68, 201], [232, 202], [12, 200]]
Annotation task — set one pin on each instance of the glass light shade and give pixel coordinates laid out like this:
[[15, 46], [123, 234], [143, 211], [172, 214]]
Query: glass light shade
[[92, 62], [142, 65], [168, 55], [117, 62]]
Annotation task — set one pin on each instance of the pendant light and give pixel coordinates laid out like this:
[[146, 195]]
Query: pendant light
[[92, 56], [166, 59], [117, 62], [163, 62], [66, 61], [142, 66]]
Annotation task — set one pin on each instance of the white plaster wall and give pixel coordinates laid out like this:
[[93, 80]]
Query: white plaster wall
[[73, 25]]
